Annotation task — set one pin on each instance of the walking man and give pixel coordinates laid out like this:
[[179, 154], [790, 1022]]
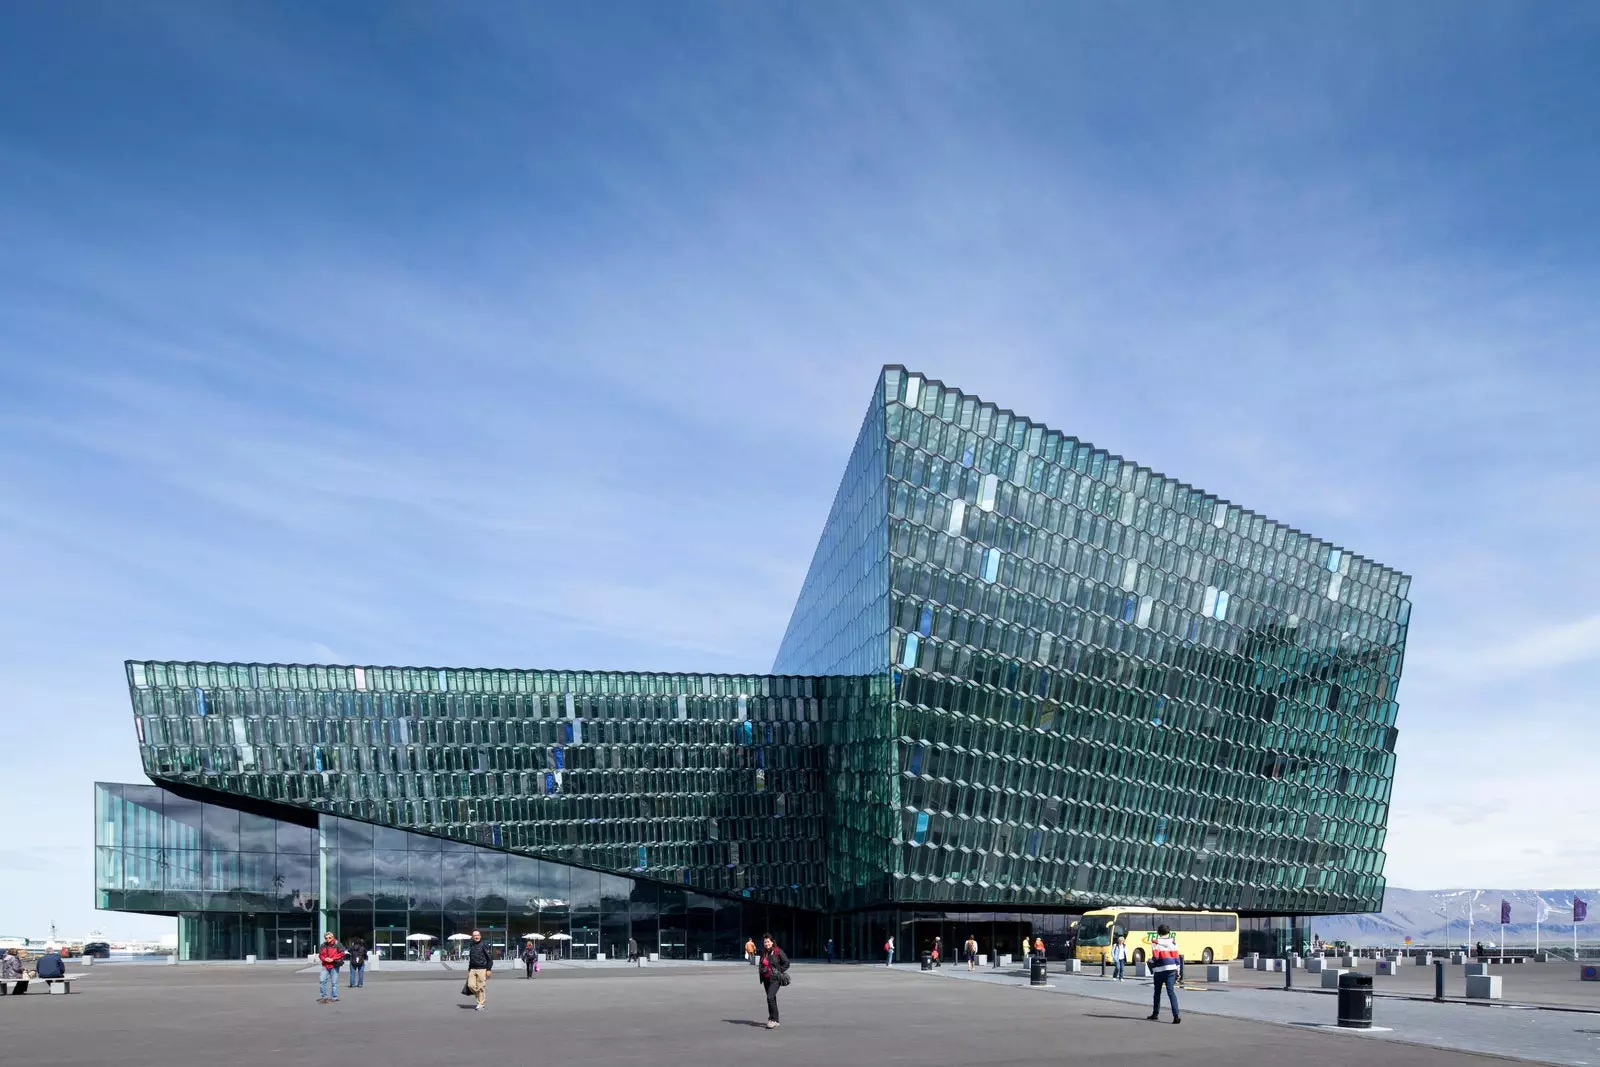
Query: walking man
[[1164, 963], [750, 950], [358, 963], [1119, 956], [888, 947], [530, 957], [828, 948], [774, 974], [480, 961], [331, 956], [972, 953]]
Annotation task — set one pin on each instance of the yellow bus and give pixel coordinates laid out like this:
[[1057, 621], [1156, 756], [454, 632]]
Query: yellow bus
[[1202, 936]]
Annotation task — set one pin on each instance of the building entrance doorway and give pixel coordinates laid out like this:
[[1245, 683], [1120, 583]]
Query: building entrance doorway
[[295, 943]]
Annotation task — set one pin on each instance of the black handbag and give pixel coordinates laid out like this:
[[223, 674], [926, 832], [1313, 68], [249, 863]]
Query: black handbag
[[465, 991], [783, 978]]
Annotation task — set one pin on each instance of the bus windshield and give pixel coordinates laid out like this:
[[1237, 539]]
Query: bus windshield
[[1096, 929]]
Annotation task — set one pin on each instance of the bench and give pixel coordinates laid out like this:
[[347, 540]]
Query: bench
[[51, 984]]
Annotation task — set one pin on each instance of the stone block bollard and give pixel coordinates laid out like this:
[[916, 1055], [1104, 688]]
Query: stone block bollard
[[1483, 986]]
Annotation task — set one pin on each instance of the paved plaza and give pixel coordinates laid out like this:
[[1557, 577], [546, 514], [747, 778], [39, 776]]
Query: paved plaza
[[154, 1016]]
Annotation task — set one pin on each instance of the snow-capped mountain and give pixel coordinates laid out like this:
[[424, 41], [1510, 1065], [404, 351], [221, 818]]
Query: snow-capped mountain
[[1422, 915]]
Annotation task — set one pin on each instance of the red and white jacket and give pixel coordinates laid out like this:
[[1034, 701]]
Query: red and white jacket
[[1164, 955]]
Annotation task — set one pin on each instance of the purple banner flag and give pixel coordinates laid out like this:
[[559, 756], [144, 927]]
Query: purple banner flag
[[1580, 910], [1505, 912]]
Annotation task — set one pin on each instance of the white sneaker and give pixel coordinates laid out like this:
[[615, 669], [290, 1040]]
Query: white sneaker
[[479, 1007]]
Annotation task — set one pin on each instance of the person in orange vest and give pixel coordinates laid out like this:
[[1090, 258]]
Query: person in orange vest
[[1165, 959]]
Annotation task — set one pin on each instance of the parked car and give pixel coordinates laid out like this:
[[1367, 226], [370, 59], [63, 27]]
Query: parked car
[[100, 950]]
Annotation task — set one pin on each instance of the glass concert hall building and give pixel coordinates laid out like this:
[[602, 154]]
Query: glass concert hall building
[[1024, 677]]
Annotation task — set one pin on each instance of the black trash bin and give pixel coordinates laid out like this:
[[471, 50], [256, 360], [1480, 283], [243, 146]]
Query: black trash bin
[[927, 961], [1036, 971], [1355, 1001]]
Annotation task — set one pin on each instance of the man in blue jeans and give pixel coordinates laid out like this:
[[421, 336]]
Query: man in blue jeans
[[888, 947], [331, 956], [1165, 959]]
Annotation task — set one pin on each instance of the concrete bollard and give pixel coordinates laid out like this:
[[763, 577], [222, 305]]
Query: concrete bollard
[[1141, 970], [1424, 959], [705, 956], [1216, 972], [1347, 962], [1314, 964], [250, 957], [1483, 986], [1273, 965], [1458, 957], [172, 961], [1330, 977], [1476, 970], [1387, 967], [1072, 966]]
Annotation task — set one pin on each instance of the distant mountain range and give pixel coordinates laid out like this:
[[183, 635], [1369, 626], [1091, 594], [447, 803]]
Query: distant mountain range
[[1421, 914]]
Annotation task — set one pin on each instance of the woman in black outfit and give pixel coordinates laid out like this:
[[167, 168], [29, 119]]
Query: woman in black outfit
[[774, 974]]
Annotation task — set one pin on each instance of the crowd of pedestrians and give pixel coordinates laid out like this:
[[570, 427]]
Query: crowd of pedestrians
[[769, 959]]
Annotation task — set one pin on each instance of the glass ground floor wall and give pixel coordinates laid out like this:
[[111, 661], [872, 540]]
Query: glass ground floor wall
[[268, 883]]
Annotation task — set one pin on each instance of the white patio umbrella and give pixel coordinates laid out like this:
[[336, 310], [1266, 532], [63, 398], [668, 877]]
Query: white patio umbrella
[[419, 937], [561, 937], [459, 937], [533, 937]]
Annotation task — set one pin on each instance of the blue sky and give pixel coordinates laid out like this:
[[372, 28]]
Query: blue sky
[[507, 335]]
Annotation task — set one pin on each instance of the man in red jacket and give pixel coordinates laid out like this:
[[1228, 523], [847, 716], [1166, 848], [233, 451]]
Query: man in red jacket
[[331, 956], [1165, 961]]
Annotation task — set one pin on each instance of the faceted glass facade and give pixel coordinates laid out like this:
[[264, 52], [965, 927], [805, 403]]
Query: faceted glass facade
[[1022, 674], [710, 781], [1111, 686]]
